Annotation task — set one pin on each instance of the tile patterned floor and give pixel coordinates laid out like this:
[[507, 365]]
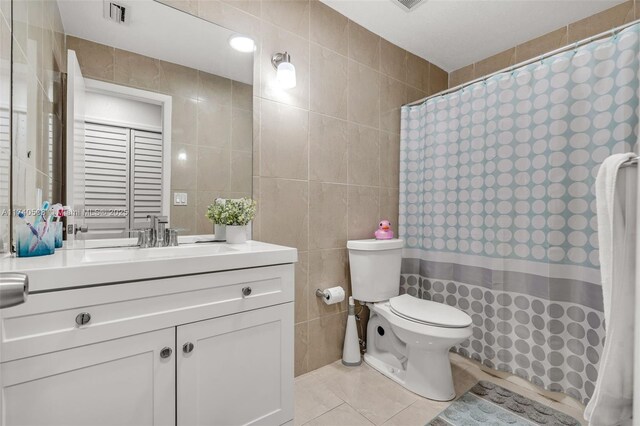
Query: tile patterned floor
[[336, 395]]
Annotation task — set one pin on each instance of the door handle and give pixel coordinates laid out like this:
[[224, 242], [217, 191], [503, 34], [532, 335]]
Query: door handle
[[14, 288], [83, 229]]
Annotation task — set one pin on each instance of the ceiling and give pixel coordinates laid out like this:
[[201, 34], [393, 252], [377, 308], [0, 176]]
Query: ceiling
[[161, 32], [456, 33]]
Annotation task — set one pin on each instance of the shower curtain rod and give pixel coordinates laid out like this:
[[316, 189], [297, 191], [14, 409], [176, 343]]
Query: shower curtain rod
[[527, 62]]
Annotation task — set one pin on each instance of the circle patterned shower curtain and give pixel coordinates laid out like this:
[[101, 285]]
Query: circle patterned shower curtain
[[498, 213]]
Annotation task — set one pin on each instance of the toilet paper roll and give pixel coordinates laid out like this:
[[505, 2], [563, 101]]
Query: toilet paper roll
[[333, 295]]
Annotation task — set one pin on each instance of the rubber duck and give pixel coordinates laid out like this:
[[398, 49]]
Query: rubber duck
[[384, 231]]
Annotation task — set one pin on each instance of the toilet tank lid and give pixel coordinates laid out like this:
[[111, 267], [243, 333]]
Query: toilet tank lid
[[373, 244]]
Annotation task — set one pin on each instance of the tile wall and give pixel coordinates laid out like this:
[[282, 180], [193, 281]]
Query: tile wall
[[326, 153]]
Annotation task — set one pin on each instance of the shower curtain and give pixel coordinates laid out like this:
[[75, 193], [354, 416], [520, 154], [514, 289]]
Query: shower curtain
[[498, 213]]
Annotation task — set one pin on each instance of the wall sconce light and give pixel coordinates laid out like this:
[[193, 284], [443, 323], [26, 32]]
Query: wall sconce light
[[182, 156], [285, 71]]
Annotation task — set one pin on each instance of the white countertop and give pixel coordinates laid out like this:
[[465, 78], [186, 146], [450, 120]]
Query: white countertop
[[94, 266]]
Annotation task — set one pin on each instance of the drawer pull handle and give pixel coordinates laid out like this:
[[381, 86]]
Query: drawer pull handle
[[166, 352], [83, 318], [246, 291], [187, 348]]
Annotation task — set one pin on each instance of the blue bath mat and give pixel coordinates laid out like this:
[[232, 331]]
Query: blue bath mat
[[489, 404]]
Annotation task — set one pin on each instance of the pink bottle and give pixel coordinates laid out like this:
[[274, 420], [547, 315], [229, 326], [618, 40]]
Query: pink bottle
[[384, 231]]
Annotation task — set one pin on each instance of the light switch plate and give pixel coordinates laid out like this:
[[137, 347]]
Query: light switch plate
[[179, 198]]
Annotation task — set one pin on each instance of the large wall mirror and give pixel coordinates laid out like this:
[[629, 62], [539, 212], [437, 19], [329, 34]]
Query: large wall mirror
[[140, 110]]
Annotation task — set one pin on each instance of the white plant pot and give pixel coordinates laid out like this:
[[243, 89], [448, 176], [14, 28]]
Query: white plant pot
[[220, 231], [236, 234]]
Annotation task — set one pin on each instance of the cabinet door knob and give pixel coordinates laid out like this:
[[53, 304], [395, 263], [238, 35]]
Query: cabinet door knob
[[14, 289], [83, 318], [187, 348], [166, 352], [246, 291]]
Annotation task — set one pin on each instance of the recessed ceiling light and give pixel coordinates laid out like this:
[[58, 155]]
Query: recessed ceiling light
[[242, 44]]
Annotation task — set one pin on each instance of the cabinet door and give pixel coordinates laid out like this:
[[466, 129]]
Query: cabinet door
[[119, 382], [240, 370]]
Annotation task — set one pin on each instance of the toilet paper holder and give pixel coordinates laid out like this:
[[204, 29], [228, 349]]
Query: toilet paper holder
[[332, 295]]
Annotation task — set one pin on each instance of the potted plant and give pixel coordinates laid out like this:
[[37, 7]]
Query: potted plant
[[235, 214]]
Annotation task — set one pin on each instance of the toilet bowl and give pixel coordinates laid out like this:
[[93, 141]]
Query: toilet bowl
[[408, 339], [419, 349]]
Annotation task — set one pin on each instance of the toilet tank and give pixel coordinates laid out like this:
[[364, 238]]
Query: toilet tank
[[375, 269]]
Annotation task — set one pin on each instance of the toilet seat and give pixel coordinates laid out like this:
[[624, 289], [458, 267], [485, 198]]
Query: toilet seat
[[427, 312], [418, 329]]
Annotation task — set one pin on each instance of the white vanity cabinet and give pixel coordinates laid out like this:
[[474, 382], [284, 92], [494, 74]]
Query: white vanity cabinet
[[231, 370], [119, 382], [203, 349]]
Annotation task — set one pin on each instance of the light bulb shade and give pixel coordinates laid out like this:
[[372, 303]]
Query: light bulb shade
[[286, 75]]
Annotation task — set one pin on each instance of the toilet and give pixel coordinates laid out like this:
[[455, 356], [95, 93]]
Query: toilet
[[408, 339]]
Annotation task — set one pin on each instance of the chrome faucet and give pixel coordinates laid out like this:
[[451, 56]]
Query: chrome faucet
[[158, 226], [144, 237], [158, 234]]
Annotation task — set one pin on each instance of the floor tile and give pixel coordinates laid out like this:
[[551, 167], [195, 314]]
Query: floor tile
[[336, 368], [312, 398], [418, 413], [336, 395], [344, 415], [373, 395]]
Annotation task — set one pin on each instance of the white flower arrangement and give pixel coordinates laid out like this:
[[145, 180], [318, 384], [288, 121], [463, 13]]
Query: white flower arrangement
[[232, 212]]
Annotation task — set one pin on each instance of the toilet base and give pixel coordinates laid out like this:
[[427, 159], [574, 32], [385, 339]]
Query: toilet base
[[395, 373], [430, 376]]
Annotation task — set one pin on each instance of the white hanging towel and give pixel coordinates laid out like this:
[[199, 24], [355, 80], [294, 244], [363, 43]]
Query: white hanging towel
[[616, 189]]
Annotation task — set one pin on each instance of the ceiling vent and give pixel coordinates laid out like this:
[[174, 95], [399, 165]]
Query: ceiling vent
[[408, 5], [115, 12]]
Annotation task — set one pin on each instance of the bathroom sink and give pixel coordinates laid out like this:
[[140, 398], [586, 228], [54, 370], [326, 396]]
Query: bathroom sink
[[96, 266], [133, 254]]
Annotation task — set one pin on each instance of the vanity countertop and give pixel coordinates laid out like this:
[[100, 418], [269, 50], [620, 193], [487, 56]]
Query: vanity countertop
[[86, 267]]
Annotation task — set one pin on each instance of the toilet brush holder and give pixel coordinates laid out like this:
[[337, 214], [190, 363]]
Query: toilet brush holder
[[351, 349]]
